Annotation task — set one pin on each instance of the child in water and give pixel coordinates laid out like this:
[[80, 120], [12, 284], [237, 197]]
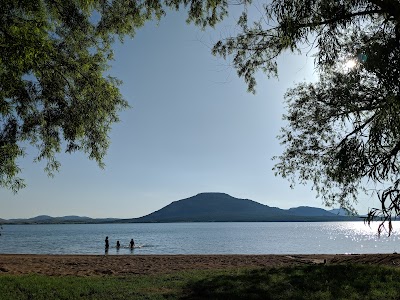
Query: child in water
[[107, 244], [118, 245], [131, 244]]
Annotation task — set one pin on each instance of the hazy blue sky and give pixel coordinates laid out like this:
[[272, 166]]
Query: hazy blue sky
[[192, 128]]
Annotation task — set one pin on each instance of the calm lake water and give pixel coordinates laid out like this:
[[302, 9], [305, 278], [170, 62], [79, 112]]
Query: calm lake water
[[200, 238]]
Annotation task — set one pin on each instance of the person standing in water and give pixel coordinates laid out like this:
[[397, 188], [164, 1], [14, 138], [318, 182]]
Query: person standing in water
[[131, 244], [118, 245], [107, 244]]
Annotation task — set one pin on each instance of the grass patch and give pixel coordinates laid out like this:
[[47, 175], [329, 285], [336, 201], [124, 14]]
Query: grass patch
[[307, 282], [303, 282]]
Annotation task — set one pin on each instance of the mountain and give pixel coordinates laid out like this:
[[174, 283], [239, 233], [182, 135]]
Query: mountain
[[208, 207], [57, 220], [220, 207], [73, 218], [310, 211], [340, 212], [42, 218]]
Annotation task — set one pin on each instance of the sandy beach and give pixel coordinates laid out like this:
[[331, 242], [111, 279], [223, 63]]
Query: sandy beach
[[89, 265]]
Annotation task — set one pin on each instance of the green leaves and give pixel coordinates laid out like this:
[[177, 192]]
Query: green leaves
[[345, 128], [343, 132], [52, 87], [53, 57]]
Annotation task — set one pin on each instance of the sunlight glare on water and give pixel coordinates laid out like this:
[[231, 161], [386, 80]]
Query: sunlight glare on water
[[363, 237]]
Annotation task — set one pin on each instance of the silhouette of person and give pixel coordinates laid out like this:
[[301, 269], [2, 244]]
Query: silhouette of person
[[118, 245], [131, 244], [107, 244]]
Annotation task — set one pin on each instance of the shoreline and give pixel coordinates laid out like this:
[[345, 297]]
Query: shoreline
[[123, 265]]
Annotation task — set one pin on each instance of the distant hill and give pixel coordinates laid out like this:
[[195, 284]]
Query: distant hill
[[310, 211], [58, 220], [220, 207], [208, 207], [41, 218], [74, 218], [340, 212]]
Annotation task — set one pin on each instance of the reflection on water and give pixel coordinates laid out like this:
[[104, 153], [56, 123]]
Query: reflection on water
[[200, 238], [365, 237], [360, 228]]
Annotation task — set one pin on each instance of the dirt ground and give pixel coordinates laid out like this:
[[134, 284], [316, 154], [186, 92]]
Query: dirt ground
[[89, 265]]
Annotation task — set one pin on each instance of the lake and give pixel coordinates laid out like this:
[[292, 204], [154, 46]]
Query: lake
[[200, 238]]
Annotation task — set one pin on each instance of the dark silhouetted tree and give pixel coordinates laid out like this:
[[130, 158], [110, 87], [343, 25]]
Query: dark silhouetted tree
[[343, 131]]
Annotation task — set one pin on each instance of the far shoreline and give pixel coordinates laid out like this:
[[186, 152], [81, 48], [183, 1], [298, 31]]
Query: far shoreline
[[356, 219]]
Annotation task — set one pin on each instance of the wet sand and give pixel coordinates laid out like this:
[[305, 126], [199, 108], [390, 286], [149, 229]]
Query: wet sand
[[121, 265]]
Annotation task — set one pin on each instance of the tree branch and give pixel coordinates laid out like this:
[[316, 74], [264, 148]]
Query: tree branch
[[357, 129], [392, 8], [340, 18]]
